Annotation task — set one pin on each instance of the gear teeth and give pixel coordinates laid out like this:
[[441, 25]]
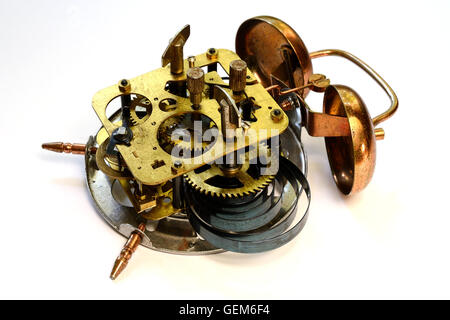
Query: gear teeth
[[197, 182], [138, 101], [169, 127]]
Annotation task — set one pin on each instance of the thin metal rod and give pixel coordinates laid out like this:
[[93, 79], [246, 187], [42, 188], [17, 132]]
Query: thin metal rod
[[285, 92], [372, 73]]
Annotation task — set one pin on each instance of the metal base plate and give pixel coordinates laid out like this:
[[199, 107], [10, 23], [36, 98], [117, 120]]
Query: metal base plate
[[173, 234]]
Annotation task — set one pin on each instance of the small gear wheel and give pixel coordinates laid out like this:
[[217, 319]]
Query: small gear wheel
[[221, 181], [177, 134], [166, 130], [140, 109]]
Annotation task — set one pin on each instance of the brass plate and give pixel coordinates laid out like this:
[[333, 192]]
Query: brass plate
[[145, 150], [260, 42]]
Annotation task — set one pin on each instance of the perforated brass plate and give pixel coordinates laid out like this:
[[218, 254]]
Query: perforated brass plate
[[151, 165]]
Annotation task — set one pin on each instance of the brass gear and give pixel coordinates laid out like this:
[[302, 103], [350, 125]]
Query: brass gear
[[201, 181], [136, 116], [166, 130], [184, 124]]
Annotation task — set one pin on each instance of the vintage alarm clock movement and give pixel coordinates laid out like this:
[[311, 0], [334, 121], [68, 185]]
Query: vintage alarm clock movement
[[204, 154]]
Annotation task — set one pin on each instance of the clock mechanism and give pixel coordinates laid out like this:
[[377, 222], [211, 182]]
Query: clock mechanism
[[204, 154]]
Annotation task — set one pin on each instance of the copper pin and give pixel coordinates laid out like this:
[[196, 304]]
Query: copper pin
[[74, 148], [379, 133], [125, 255]]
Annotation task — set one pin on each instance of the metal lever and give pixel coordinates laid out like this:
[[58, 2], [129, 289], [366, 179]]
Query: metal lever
[[174, 51]]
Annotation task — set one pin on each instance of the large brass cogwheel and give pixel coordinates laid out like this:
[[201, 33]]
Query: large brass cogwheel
[[242, 183]]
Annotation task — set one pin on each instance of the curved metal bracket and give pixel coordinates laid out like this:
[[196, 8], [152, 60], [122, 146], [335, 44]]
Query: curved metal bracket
[[372, 73]]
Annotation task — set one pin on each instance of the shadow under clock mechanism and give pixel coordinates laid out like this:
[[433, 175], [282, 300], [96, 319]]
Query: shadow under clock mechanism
[[193, 162]]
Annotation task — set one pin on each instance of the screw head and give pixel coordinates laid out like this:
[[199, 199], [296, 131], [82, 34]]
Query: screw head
[[276, 115], [177, 164], [212, 53], [124, 85]]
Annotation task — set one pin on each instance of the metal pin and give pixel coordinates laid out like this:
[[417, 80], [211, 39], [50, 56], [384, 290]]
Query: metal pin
[[379, 134], [74, 148], [125, 255], [191, 61]]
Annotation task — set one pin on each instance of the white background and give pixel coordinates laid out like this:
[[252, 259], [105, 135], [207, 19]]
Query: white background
[[389, 241]]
